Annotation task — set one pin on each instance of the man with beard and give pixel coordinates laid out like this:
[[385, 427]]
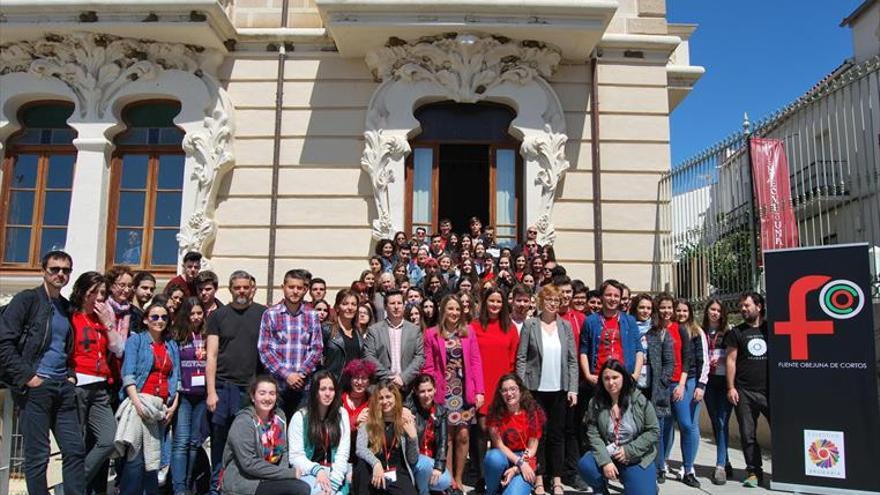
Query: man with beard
[[233, 332], [747, 380]]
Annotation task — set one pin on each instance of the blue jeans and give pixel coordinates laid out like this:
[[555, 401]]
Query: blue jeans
[[494, 466], [187, 439], [719, 412], [134, 480], [423, 471], [686, 413], [636, 480], [312, 481]]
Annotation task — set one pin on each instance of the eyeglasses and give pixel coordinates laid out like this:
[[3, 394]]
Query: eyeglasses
[[122, 286], [532, 232], [55, 270], [158, 317]]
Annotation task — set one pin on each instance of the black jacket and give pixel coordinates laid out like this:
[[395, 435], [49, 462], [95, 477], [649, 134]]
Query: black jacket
[[25, 334], [422, 418], [334, 351]]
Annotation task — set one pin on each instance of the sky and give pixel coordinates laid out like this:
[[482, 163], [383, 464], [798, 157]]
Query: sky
[[758, 56]]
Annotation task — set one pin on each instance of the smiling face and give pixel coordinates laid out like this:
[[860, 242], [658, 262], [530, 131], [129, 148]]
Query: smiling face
[[386, 401], [665, 310], [644, 309], [264, 398], [425, 394], [359, 384], [122, 289], [511, 393], [347, 308], [156, 320], [682, 313], [451, 313], [494, 303]]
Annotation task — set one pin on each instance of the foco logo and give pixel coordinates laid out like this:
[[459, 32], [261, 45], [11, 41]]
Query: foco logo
[[839, 299]]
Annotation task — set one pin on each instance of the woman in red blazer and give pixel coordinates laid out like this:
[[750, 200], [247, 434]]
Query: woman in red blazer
[[452, 357]]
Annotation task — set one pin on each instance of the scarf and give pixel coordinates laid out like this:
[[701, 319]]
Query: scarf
[[271, 433], [123, 318]]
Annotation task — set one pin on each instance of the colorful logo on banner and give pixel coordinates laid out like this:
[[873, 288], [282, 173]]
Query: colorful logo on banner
[[824, 454], [839, 299], [772, 188]]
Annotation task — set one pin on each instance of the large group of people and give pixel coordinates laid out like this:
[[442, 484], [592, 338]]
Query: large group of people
[[450, 357]]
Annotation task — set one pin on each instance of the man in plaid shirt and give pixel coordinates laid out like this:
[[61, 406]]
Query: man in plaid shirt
[[290, 341]]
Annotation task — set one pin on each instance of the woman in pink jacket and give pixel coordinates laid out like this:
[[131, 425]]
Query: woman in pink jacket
[[452, 357]]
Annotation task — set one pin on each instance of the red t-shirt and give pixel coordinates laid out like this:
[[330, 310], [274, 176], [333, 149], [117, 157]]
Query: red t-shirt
[[353, 412], [516, 429], [576, 319], [90, 342], [609, 342], [157, 380]]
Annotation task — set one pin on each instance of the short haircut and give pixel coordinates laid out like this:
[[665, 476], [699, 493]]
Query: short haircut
[[141, 276], [421, 229], [557, 271], [594, 294], [52, 255], [240, 274], [393, 292], [445, 220], [317, 280], [611, 283], [561, 280], [578, 286], [115, 272], [436, 236], [206, 277], [298, 274], [756, 298], [192, 256], [520, 290], [545, 293]]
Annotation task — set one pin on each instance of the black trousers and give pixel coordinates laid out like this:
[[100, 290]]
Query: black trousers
[[363, 473], [551, 448], [283, 487], [751, 405], [52, 406], [290, 400], [575, 436]]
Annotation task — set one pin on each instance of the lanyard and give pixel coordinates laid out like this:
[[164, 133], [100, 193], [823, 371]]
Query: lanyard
[[429, 430], [325, 437], [617, 422], [386, 449]]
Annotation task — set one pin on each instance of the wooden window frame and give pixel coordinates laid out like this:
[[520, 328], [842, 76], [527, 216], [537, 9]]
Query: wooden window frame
[[151, 190], [44, 151], [493, 147]]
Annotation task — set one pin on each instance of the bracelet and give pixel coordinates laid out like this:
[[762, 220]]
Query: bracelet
[[519, 462]]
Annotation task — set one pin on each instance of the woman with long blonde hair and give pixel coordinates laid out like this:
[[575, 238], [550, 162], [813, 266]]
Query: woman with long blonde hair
[[387, 446], [452, 357]]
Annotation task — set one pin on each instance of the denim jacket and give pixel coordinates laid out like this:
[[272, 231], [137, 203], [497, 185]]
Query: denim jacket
[[138, 363], [630, 339]]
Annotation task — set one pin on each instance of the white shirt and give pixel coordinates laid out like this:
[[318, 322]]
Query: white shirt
[[551, 366]]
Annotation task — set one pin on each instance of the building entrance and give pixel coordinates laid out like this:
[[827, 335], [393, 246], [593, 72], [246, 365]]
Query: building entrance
[[464, 183]]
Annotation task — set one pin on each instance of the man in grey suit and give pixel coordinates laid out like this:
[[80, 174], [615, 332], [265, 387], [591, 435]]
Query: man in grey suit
[[394, 345]]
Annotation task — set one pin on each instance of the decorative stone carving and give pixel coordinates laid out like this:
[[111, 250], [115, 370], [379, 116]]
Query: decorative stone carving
[[96, 66], [548, 150], [466, 66], [211, 148], [379, 150]]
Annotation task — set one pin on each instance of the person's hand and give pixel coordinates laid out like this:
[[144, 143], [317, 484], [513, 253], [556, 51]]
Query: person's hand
[[409, 423], [105, 314], [71, 380], [139, 407], [211, 401], [528, 473], [34, 382], [397, 380], [435, 476], [678, 393], [593, 379], [363, 417], [698, 394], [295, 381], [324, 482], [733, 396], [508, 475], [169, 413], [572, 399], [609, 471], [620, 456], [479, 399], [378, 480]]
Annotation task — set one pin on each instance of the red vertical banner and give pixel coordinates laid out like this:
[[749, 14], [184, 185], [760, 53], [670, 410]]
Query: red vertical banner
[[773, 194]]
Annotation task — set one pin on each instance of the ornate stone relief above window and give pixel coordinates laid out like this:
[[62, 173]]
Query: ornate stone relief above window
[[101, 71], [465, 68]]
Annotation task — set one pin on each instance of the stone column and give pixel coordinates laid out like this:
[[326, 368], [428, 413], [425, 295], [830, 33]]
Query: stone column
[[87, 224]]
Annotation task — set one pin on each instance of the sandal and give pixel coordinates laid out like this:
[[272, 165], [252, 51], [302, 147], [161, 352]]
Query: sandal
[[558, 489], [539, 487]]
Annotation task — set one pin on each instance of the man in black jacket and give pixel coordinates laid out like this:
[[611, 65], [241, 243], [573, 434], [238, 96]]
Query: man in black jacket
[[36, 340]]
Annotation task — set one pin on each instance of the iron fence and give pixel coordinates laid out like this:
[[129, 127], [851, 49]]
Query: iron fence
[[831, 137]]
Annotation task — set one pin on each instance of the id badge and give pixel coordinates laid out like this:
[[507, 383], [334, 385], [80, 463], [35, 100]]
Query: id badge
[[391, 476], [198, 380]]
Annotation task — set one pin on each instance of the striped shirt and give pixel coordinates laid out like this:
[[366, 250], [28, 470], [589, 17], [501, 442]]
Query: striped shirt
[[290, 342]]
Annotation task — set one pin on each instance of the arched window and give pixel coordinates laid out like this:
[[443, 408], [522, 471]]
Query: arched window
[[38, 177], [147, 187], [463, 164]]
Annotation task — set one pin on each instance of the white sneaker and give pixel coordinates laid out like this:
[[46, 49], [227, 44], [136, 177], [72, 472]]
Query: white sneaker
[[163, 476]]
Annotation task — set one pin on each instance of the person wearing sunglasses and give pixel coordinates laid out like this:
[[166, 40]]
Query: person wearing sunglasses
[[41, 377], [150, 378]]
